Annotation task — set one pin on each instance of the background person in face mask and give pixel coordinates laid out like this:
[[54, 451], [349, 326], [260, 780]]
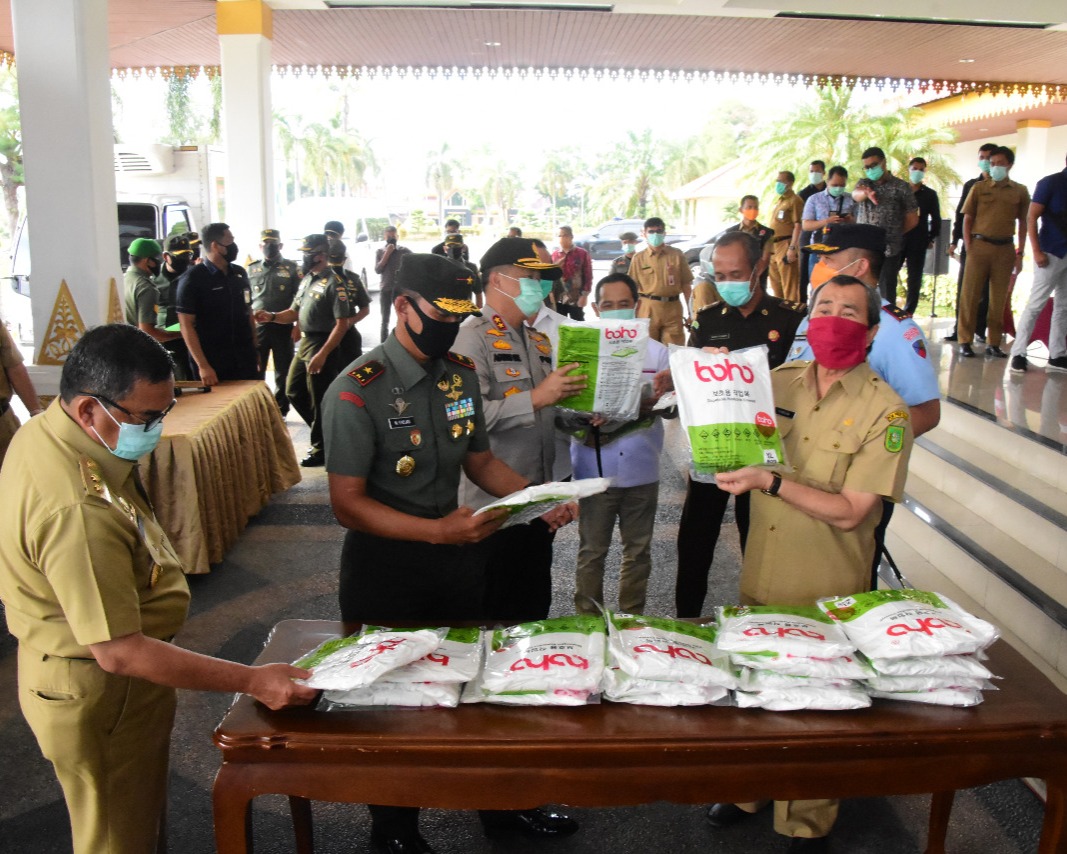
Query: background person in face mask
[[628, 239], [274, 281], [177, 258], [142, 297], [456, 251], [746, 316], [847, 438]]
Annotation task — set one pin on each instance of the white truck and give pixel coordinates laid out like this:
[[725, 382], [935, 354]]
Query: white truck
[[160, 190]]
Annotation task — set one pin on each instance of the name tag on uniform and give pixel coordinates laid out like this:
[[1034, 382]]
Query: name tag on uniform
[[781, 215], [719, 337], [507, 357], [785, 413], [401, 423]]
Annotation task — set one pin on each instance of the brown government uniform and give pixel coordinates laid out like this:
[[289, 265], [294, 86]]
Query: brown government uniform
[[10, 357], [857, 436], [996, 207], [662, 275], [785, 276], [85, 562]]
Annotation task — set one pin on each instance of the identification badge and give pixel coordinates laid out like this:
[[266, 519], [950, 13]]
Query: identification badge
[[401, 423]]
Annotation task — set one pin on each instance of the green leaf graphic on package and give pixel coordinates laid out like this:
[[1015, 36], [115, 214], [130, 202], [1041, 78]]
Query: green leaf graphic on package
[[611, 354]]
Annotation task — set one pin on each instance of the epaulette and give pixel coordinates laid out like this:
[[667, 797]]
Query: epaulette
[[716, 304], [93, 479], [894, 311], [367, 373], [460, 359], [798, 307]]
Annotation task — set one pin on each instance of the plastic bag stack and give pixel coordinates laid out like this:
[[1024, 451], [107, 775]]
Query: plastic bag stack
[[657, 661], [922, 647], [791, 658], [555, 662]]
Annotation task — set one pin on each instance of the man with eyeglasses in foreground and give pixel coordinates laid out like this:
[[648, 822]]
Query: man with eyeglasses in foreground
[[94, 592]]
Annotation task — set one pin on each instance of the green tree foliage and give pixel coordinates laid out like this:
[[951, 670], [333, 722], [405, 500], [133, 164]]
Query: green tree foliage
[[321, 159], [556, 176], [183, 120], [11, 175], [630, 181], [440, 175]]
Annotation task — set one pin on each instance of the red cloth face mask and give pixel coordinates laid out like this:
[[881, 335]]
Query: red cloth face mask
[[837, 342]]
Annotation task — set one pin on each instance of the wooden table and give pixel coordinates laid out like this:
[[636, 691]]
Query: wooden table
[[222, 455], [485, 756]]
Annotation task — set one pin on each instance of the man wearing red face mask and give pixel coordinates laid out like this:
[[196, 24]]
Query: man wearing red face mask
[[847, 440]]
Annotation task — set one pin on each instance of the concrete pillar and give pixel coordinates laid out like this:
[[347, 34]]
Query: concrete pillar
[[61, 48], [245, 31], [1031, 155]]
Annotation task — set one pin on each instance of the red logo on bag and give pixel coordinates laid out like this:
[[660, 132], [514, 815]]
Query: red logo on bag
[[556, 659], [782, 633], [724, 371], [924, 625], [673, 652], [616, 334], [437, 658]]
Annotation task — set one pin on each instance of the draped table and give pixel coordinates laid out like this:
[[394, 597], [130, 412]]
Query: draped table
[[222, 455], [613, 754]]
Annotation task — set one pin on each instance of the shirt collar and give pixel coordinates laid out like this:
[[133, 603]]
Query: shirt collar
[[211, 267], [115, 469], [851, 383]]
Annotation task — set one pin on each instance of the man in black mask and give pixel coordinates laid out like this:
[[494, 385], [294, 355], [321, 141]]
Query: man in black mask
[[400, 425], [456, 251], [214, 305], [177, 258], [274, 281]]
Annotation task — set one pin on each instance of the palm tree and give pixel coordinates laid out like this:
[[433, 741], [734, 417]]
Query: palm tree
[[439, 175], [11, 175], [556, 175], [630, 180]]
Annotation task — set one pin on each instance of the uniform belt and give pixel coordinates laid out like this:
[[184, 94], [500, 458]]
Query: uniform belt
[[5, 405], [996, 241], [659, 299], [780, 239]]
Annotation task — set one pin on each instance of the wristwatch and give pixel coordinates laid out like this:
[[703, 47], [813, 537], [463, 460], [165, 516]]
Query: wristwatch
[[273, 315], [776, 484]]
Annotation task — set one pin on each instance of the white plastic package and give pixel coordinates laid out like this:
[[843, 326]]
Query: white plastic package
[[620, 687], [926, 683], [560, 654], [843, 667], [611, 354], [668, 650], [400, 694], [764, 680], [726, 406], [961, 666], [794, 699], [527, 504], [908, 623], [939, 697], [786, 630], [346, 663], [457, 658]]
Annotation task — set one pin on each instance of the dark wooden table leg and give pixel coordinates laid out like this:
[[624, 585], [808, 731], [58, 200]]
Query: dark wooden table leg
[[940, 811], [302, 824], [232, 808], [1053, 837]]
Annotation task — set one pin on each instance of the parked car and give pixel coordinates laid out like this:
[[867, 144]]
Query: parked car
[[604, 244], [692, 245]]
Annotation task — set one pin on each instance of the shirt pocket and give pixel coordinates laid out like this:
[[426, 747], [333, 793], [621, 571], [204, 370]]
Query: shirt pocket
[[511, 373], [828, 464]]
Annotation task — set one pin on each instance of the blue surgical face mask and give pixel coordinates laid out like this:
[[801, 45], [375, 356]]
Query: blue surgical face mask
[[629, 248], [546, 288], [815, 177], [655, 239], [779, 188], [998, 173], [875, 173], [836, 192], [529, 299], [618, 314], [983, 166], [735, 293], [916, 176], [134, 441]]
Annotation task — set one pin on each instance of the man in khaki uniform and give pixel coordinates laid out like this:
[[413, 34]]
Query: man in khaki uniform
[[94, 593], [14, 379], [786, 218], [663, 280], [847, 437], [994, 237]]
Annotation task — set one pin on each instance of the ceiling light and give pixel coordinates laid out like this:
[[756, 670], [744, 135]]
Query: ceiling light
[[491, 44], [966, 60]]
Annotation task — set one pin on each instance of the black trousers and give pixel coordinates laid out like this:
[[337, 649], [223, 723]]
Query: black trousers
[[915, 261], [179, 352], [518, 573], [306, 391], [384, 582], [889, 279], [983, 303], [879, 539], [276, 340], [569, 310], [698, 534], [385, 302]]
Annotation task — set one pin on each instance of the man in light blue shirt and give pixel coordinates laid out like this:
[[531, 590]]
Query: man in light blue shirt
[[831, 205], [632, 463]]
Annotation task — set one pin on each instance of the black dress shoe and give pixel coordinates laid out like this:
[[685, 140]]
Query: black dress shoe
[[724, 815], [966, 351], [407, 845], [979, 338], [540, 822], [815, 845], [952, 337], [314, 458], [996, 352]]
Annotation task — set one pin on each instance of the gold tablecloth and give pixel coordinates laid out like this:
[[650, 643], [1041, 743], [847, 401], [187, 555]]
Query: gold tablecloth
[[222, 455]]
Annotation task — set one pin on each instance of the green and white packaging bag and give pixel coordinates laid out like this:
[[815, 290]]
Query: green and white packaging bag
[[563, 654], [790, 630], [395, 695], [668, 650], [621, 687], [528, 504], [908, 623], [457, 658], [944, 666], [346, 663], [726, 405], [936, 697], [843, 667], [795, 699], [611, 353]]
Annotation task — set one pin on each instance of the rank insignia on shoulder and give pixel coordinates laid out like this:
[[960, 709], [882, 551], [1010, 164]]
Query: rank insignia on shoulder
[[352, 397], [894, 438], [893, 311], [460, 359], [499, 323], [93, 478], [367, 373], [544, 348], [902, 414]]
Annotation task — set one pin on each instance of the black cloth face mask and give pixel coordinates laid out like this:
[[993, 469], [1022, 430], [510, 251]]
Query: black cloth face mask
[[436, 337]]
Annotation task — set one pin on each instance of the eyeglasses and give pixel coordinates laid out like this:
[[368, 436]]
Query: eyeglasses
[[151, 423]]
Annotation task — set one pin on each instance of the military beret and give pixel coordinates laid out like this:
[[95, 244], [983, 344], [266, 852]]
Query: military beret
[[145, 247]]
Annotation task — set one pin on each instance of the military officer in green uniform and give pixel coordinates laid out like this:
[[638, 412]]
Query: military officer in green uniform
[[274, 281], [400, 426], [323, 311], [94, 593], [177, 258], [142, 296], [352, 343]]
